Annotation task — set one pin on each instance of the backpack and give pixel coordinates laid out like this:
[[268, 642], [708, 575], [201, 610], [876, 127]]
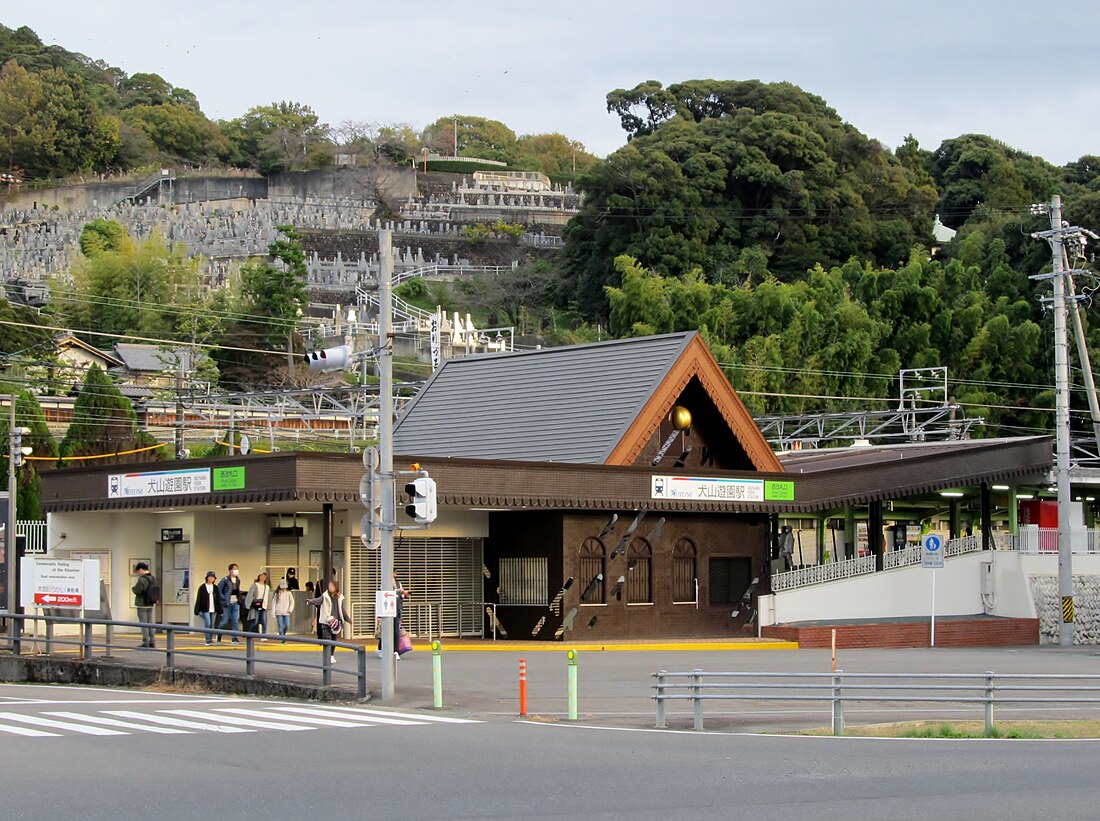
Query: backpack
[[152, 591]]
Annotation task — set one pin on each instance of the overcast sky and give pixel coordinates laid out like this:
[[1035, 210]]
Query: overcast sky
[[934, 69]]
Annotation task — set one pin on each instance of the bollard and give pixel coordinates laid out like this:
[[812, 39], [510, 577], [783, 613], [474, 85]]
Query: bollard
[[523, 687], [697, 717], [989, 703], [571, 684], [838, 705], [250, 655], [170, 649], [661, 699], [361, 677], [437, 675]]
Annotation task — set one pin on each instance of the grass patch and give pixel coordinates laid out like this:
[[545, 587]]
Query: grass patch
[[971, 729]]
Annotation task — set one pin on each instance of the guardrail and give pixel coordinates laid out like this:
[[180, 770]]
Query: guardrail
[[85, 640], [818, 573], [987, 689]]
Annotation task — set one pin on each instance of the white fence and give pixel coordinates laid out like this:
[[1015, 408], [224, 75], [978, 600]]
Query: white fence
[[833, 571], [1042, 540], [35, 534]]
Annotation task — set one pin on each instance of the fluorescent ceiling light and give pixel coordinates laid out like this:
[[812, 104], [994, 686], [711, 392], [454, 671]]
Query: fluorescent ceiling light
[[954, 494], [1024, 496], [1000, 487]]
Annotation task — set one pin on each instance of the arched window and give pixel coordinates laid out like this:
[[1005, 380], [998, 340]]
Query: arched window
[[639, 575], [593, 571], [683, 572]]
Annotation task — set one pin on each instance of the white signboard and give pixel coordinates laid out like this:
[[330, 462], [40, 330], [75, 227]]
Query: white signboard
[[932, 551], [385, 604], [65, 583], [689, 488], [158, 483]]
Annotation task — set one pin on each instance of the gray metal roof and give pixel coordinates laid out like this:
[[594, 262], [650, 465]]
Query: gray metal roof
[[153, 358], [570, 404]]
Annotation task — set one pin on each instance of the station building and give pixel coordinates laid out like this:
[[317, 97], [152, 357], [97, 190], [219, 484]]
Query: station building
[[614, 490]]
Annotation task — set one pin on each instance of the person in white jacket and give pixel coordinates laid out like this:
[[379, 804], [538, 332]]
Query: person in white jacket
[[332, 613], [282, 604], [257, 602]]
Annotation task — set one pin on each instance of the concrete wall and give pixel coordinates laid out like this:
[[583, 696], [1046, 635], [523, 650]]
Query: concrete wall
[[345, 183]]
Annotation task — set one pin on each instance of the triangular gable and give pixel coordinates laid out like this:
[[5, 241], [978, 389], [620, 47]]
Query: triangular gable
[[70, 341], [695, 362]]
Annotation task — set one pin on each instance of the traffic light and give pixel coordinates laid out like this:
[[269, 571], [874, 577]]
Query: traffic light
[[370, 494], [421, 493], [327, 360]]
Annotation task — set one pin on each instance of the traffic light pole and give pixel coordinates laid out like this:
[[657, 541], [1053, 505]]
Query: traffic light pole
[[385, 449]]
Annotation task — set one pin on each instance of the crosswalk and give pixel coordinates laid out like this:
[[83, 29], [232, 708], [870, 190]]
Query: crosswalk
[[214, 716]]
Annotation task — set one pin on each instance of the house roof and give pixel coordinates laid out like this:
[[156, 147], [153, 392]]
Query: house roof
[[70, 341], [153, 358], [583, 404]]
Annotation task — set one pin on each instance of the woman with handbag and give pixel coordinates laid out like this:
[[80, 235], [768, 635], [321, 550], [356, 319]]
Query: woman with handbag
[[256, 604], [282, 602], [331, 613]]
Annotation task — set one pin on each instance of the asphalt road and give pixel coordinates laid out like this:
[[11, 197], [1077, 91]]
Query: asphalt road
[[499, 768]]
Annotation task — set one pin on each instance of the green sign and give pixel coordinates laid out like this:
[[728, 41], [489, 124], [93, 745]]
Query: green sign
[[230, 478], [773, 491]]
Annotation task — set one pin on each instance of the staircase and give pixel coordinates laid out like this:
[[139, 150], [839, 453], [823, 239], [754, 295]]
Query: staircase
[[154, 180]]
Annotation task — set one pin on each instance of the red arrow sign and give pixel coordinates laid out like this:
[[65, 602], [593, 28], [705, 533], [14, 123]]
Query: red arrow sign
[[59, 599]]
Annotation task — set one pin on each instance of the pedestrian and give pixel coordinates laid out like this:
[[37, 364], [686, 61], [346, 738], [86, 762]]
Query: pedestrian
[[331, 613], [282, 603], [786, 547], [292, 579], [208, 604], [146, 595], [402, 594], [229, 589], [256, 603]]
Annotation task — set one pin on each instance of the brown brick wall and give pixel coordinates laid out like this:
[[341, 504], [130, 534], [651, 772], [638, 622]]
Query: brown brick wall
[[953, 633]]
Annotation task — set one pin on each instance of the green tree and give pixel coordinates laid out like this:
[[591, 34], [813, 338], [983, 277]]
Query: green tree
[[104, 422], [20, 93], [477, 137], [178, 131], [28, 414], [555, 155], [283, 136]]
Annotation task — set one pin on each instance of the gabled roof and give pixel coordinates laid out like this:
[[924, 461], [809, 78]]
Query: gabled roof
[[70, 341], [582, 404], [152, 358]]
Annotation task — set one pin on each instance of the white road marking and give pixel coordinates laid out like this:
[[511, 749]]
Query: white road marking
[[418, 717], [325, 722], [243, 722], [324, 713], [26, 731], [60, 725], [114, 722], [178, 722]]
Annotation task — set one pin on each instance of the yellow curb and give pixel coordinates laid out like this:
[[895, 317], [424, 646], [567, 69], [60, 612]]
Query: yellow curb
[[561, 647]]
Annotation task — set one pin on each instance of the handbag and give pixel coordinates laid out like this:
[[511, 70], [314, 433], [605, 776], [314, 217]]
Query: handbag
[[404, 643], [334, 626]]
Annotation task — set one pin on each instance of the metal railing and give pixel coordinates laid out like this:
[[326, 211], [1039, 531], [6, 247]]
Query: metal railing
[[1044, 540], [34, 534], [818, 573], [988, 689], [86, 643]]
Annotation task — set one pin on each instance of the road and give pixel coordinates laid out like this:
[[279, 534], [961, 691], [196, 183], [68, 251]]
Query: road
[[353, 762]]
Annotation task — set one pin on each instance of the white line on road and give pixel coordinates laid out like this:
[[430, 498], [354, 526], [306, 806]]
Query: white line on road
[[60, 725], [114, 722], [325, 722], [414, 716], [178, 722], [243, 722], [59, 702], [26, 731], [325, 713]]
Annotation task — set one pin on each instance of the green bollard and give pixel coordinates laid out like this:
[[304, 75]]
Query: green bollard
[[571, 689], [437, 675]]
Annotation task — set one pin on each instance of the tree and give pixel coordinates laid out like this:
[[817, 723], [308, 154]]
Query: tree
[[283, 136], [101, 235], [521, 297], [178, 131], [555, 155], [477, 137], [28, 414], [20, 93], [104, 422]]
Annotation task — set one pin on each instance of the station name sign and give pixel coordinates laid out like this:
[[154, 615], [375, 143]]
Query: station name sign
[[158, 483], [712, 489]]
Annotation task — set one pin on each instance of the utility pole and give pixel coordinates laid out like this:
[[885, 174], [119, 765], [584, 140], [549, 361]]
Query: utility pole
[[385, 449], [1061, 418], [180, 448], [10, 550]]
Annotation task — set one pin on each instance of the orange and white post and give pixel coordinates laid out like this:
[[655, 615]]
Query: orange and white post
[[523, 687]]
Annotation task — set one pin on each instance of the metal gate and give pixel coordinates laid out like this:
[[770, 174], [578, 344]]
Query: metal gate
[[443, 577]]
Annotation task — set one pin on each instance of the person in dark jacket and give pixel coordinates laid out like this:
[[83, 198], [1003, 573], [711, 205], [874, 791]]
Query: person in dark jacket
[[208, 604], [145, 599], [229, 588]]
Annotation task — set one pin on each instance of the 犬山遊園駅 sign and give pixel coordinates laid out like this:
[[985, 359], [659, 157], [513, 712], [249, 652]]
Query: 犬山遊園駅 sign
[[158, 483], [690, 488]]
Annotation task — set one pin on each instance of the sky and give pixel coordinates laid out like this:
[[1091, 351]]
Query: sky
[[933, 69]]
